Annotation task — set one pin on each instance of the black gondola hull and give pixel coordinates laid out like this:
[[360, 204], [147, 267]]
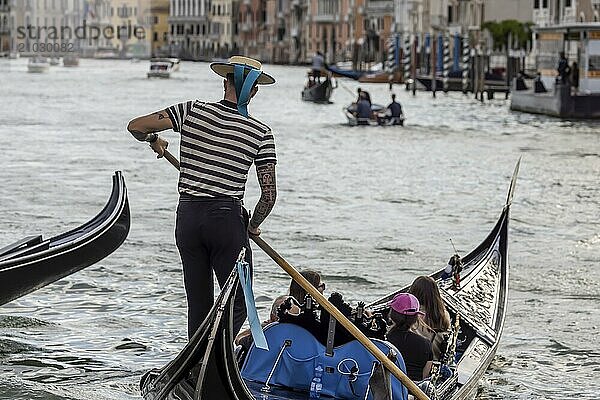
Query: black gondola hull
[[38, 263], [480, 300], [319, 92]]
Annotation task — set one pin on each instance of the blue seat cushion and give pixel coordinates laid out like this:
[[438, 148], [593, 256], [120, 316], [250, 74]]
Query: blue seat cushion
[[346, 374]]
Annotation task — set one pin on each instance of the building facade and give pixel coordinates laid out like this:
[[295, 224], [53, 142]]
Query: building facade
[[132, 35], [5, 26], [221, 28], [518, 10], [553, 12], [158, 22], [189, 28]]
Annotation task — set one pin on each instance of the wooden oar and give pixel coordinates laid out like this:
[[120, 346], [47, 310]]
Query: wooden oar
[[171, 158], [341, 318]]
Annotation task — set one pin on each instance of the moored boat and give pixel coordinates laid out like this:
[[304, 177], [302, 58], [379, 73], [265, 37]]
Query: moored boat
[[577, 93], [33, 262], [345, 73], [54, 61], [381, 77], [38, 65], [475, 292], [71, 61], [163, 67], [318, 90]]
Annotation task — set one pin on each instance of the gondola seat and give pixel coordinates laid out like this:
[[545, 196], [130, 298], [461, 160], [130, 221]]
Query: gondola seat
[[345, 374]]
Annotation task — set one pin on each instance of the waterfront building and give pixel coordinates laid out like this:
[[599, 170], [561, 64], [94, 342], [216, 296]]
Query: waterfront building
[[378, 24], [251, 35], [221, 28], [298, 31], [329, 28], [553, 12], [97, 18], [189, 27], [49, 23], [277, 26], [518, 10], [131, 32], [5, 26], [158, 22]]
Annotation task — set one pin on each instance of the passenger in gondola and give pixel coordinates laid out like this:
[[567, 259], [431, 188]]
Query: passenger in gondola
[[363, 110], [415, 349], [313, 277], [366, 94], [299, 308], [435, 324], [245, 339]]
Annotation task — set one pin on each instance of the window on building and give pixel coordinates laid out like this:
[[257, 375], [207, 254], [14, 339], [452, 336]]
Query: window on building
[[155, 38], [544, 3], [536, 5], [568, 3], [451, 16]]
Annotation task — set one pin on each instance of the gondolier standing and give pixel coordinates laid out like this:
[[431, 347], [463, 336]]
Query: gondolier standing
[[219, 143]]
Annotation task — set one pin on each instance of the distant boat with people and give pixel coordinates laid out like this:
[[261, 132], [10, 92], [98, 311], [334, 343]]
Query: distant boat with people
[[38, 65], [71, 61], [163, 67], [318, 89]]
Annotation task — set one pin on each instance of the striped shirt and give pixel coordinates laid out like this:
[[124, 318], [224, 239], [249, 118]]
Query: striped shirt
[[218, 146]]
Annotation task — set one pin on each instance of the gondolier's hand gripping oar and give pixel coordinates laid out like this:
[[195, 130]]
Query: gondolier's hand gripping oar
[[314, 292]]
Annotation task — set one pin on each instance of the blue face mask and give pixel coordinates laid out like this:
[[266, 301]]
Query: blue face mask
[[243, 86]]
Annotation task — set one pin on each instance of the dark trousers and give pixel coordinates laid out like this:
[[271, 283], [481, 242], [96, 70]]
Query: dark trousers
[[210, 234]]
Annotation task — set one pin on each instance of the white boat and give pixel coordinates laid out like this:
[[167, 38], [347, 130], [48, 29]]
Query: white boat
[[38, 65], [71, 61], [106, 53], [13, 55], [176, 63], [163, 67], [54, 61]]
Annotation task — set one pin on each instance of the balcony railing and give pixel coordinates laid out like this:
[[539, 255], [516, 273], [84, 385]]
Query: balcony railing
[[326, 18]]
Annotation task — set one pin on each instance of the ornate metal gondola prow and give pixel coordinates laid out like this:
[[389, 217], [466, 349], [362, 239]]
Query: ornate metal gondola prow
[[513, 184]]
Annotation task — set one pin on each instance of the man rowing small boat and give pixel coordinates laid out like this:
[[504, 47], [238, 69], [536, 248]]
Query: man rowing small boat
[[219, 143]]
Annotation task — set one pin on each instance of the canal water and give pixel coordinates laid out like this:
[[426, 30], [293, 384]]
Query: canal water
[[371, 208]]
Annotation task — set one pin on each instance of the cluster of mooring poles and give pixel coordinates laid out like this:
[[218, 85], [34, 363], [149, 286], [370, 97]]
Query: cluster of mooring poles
[[451, 62]]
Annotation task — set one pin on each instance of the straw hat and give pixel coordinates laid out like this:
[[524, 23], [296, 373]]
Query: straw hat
[[222, 68]]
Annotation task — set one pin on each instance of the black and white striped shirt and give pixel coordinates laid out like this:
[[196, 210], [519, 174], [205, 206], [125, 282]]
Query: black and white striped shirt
[[218, 146]]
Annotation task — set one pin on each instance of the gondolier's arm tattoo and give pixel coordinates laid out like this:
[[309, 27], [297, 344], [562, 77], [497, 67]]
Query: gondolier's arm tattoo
[[142, 127], [268, 187]]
